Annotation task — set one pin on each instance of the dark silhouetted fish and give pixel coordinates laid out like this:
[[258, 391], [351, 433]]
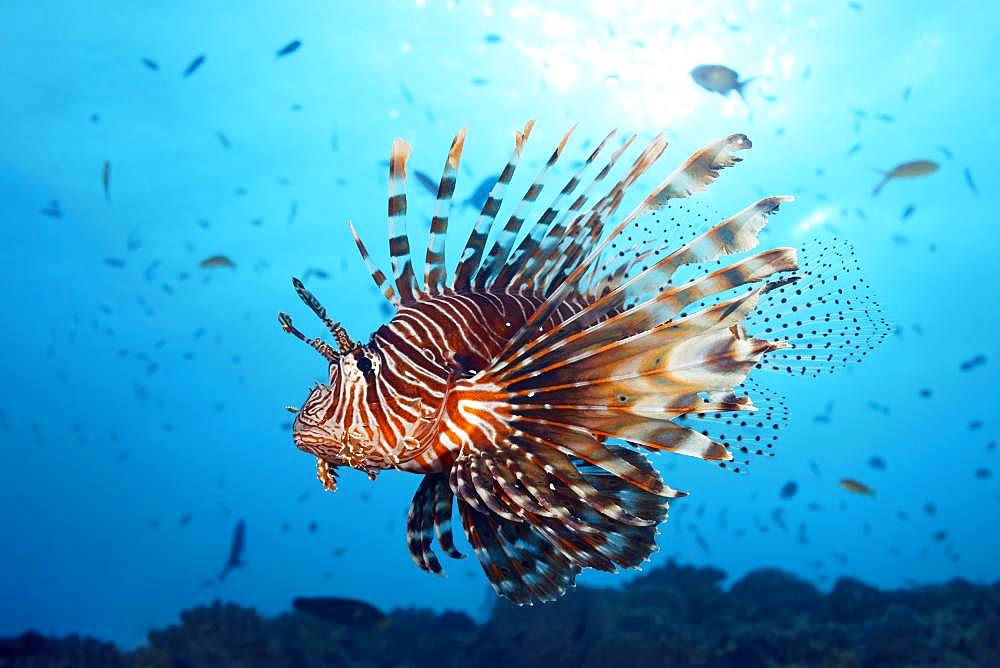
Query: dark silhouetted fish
[[478, 198], [969, 182], [217, 261], [877, 463], [150, 64], [429, 184], [223, 139], [857, 487], [719, 79], [906, 170], [972, 363], [195, 64], [344, 611], [106, 180], [235, 550], [789, 489], [908, 211], [289, 48]]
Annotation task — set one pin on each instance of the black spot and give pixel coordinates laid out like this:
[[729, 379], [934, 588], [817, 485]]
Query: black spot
[[365, 365]]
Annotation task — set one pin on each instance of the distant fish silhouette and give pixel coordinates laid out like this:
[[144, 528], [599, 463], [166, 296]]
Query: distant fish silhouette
[[478, 198], [150, 64], [857, 487], [720, 79], [289, 48], [345, 611], [106, 180], [235, 550], [429, 184], [217, 261], [906, 170], [972, 363], [969, 182], [195, 64]]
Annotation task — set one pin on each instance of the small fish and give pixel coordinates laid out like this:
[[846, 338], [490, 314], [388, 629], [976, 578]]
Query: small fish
[[983, 473], [908, 211], [478, 198], [195, 64], [789, 489], [293, 211], [492, 38], [857, 487], [114, 262], [854, 149], [344, 611], [235, 559], [972, 363], [945, 151], [719, 79], [427, 182], [939, 536], [289, 48], [969, 182], [217, 261], [223, 139], [930, 509], [407, 95], [907, 170], [150, 64], [106, 180]]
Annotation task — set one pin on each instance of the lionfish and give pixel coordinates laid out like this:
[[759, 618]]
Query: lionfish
[[529, 385]]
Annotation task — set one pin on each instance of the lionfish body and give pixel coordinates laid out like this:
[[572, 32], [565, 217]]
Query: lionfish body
[[527, 387]]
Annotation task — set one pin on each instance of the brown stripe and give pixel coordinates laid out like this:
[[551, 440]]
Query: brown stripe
[[507, 174], [397, 205], [399, 246], [446, 188], [439, 225], [491, 208]]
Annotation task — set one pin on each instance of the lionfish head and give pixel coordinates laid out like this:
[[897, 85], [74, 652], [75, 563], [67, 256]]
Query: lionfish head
[[331, 424]]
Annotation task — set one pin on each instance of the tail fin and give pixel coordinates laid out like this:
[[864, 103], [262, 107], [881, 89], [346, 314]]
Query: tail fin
[[741, 86]]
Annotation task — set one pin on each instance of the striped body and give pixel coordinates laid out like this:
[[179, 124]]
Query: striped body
[[399, 408]]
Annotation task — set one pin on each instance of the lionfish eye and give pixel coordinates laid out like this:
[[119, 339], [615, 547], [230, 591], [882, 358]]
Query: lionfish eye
[[364, 364]]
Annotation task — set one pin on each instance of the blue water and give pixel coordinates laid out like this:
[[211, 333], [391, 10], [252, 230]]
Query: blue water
[[142, 404]]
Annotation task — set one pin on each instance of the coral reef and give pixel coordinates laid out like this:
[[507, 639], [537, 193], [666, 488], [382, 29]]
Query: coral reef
[[674, 615]]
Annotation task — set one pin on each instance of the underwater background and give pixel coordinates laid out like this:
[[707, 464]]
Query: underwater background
[[142, 413]]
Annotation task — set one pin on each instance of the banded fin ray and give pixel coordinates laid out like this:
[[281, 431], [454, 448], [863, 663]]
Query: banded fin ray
[[435, 270], [469, 262]]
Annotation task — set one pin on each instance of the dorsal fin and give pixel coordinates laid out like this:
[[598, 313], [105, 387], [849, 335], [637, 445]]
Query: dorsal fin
[[700, 170], [561, 239], [497, 256], [399, 242], [515, 271], [435, 270], [473, 253]]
